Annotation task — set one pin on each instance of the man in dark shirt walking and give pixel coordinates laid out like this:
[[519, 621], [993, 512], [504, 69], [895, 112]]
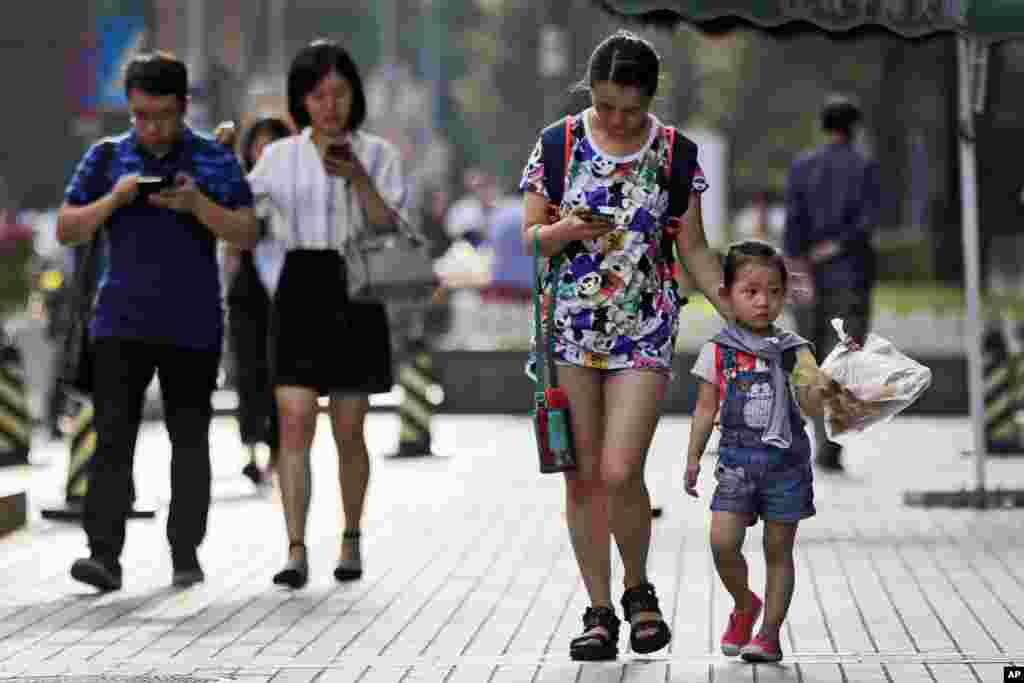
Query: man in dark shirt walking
[[833, 199], [158, 306]]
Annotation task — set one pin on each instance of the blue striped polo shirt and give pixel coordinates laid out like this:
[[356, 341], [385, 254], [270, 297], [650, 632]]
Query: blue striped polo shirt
[[161, 282]]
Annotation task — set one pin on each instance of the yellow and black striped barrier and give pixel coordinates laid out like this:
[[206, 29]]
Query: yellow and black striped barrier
[[420, 394], [15, 418], [81, 434], [1002, 435]]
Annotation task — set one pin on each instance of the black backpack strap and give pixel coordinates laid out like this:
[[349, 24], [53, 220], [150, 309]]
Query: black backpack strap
[[684, 166], [553, 142], [789, 361]]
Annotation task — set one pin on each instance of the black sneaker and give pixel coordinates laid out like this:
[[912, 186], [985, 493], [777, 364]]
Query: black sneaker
[[829, 457], [105, 576]]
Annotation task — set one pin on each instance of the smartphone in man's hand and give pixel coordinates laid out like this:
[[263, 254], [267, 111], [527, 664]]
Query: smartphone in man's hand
[[151, 184]]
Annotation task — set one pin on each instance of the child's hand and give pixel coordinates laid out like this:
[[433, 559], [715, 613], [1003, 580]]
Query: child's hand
[[692, 473]]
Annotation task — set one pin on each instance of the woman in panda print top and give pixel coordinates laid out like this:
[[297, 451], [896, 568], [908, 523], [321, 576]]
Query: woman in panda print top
[[616, 315]]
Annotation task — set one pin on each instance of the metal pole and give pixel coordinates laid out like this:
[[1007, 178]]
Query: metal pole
[[969, 51]]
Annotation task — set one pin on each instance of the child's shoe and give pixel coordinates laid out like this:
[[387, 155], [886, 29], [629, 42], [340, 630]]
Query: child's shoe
[[741, 626], [762, 649]]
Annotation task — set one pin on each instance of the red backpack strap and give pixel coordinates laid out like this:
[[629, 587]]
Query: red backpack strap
[[568, 143]]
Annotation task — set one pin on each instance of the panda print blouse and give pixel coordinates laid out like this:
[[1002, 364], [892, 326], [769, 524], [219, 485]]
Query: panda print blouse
[[616, 300]]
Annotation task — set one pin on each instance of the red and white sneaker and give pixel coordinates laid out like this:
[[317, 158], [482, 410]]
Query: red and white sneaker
[[762, 649], [741, 626]]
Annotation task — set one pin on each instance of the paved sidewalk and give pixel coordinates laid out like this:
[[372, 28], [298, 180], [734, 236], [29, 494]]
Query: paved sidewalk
[[470, 578]]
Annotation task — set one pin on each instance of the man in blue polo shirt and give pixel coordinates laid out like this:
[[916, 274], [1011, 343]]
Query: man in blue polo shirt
[[833, 201], [158, 307]]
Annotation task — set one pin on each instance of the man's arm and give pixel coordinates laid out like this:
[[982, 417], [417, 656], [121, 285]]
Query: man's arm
[[795, 236], [78, 224], [238, 226]]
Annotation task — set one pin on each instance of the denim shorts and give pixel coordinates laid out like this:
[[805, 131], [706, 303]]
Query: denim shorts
[[764, 482]]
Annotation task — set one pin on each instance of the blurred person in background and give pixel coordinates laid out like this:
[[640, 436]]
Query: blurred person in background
[[158, 308], [504, 286], [330, 183], [833, 201], [253, 275], [468, 217], [616, 319]]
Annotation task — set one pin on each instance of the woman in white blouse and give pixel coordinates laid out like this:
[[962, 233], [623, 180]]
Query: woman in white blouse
[[329, 182]]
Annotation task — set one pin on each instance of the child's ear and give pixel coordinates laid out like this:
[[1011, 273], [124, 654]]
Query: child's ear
[[723, 292]]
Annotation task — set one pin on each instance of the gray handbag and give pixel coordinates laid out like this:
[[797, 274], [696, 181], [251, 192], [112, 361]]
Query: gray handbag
[[389, 265], [392, 267]]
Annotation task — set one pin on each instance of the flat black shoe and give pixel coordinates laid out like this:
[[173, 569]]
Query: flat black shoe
[[593, 645], [829, 457], [643, 599], [252, 471], [352, 568], [296, 572], [97, 574]]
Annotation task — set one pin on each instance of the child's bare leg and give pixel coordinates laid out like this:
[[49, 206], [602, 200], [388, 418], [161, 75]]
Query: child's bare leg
[[728, 529], [778, 553]]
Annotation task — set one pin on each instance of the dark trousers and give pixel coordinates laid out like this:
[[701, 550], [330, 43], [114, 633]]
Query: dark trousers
[[814, 324], [248, 336], [123, 369]]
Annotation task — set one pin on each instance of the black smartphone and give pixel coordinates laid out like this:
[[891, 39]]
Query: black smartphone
[[150, 184], [341, 152]]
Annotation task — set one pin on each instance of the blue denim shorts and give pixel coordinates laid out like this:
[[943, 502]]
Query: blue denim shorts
[[764, 482]]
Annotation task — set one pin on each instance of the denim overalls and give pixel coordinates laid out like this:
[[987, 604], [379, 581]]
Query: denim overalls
[[754, 477]]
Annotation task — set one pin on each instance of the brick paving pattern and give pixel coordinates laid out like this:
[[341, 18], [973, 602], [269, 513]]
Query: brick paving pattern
[[470, 577]]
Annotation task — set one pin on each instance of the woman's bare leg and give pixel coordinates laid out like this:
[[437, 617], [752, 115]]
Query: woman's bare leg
[[348, 419], [297, 422], [586, 500], [632, 400]]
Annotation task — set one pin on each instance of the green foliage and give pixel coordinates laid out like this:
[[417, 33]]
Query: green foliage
[[905, 261]]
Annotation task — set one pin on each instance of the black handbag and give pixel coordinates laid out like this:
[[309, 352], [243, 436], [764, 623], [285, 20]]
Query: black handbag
[[76, 368]]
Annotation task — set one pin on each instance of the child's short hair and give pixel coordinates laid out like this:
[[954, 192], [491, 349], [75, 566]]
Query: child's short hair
[[751, 251]]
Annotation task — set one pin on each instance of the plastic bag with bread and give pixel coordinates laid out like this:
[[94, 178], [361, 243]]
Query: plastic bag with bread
[[878, 374]]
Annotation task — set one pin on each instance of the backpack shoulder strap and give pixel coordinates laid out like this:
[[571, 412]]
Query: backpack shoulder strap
[[556, 147], [682, 159]]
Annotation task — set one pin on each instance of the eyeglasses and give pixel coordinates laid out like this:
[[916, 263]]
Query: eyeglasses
[[159, 119]]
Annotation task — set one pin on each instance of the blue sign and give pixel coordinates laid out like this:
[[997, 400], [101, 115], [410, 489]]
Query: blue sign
[[118, 39]]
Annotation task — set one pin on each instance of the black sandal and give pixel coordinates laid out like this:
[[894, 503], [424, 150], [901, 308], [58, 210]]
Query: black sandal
[[296, 572], [594, 646], [643, 599]]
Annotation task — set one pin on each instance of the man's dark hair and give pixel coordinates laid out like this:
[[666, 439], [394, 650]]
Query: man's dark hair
[[156, 73], [625, 58], [310, 66], [839, 115]]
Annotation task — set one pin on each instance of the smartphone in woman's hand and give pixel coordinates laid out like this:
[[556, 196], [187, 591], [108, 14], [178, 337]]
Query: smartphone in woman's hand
[[339, 151]]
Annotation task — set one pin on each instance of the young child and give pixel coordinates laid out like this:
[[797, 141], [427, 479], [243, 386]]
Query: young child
[[757, 377]]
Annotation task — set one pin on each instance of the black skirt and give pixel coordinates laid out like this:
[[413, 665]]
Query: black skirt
[[322, 340]]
